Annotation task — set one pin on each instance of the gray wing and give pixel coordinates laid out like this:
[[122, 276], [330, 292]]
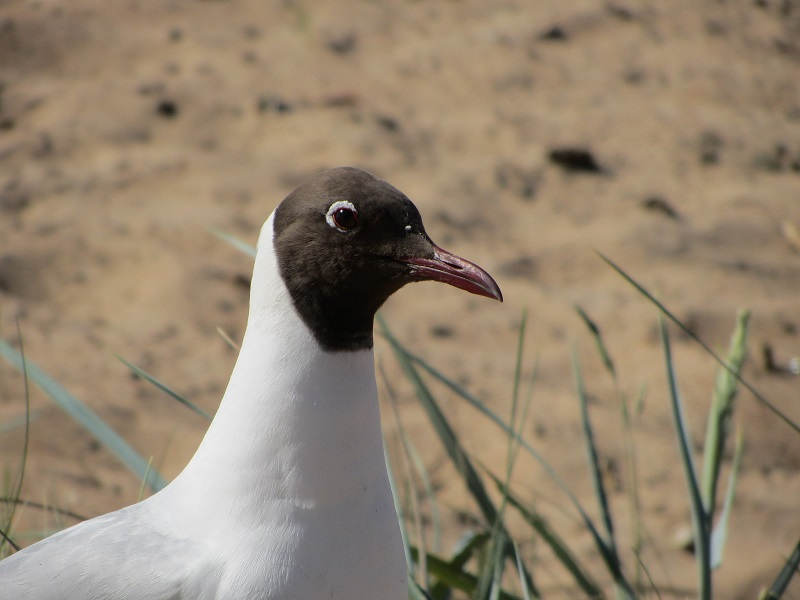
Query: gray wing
[[124, 555]]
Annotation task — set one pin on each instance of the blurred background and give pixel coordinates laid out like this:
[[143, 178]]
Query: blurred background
[[531, 135]]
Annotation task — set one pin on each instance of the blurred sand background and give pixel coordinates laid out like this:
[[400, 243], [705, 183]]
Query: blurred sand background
[[665, 135]]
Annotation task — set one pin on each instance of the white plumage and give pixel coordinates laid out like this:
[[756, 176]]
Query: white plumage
[[286, 498]]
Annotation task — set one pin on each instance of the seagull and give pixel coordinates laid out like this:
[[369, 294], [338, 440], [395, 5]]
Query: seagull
[[287, 496]]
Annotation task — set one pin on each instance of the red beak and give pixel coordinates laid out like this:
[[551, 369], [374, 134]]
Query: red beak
[[454, 270]]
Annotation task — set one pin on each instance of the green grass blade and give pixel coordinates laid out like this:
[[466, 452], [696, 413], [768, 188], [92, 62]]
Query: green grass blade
[[491, 572], [449, 439], [455, 576], [790, 568], [227, 339], [25, 444], [597, 478], [415, 592], [720, 414], [650, 581], [469, 546], [503, 545], [175, 395], [598, 340], [26, 441], [665, 311], [477, 404], [44, 507], [497, 571], [6, 539], [700, 523], [399, 510], [234, 241], [556, 544], [422, 571], [634, 497], [430, 495], [517, 381], [21, 421], [630, 451], [86, 418], [33, 535], [526, 593], [720, 532], [143, 487], [593, 458]]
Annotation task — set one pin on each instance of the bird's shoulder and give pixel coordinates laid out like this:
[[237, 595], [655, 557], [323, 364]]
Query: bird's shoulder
[[127, 554]]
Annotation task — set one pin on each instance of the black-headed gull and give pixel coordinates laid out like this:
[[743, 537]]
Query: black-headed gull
[[287, 497]]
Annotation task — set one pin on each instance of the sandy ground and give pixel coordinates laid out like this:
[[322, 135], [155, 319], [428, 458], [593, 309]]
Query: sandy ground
[[665, 135]]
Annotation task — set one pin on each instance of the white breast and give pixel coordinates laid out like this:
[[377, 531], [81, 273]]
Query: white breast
[[293, 464]]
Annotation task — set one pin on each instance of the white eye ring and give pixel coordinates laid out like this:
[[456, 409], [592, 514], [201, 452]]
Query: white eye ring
[[336, 206]]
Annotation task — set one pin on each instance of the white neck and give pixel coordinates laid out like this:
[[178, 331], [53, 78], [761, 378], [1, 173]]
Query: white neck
[[296, 424]]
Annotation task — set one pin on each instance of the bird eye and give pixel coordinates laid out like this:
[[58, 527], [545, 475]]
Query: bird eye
[[345, 218], [342, 215]]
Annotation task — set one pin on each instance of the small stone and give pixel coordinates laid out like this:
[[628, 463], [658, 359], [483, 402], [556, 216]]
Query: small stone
[[556, 33], [388, 123], [442, 331], [343, 43], [273, 103], [575, 160], [711, 144], [167, 109], [659, 204]]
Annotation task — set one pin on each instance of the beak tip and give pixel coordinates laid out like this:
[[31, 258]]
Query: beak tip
[[495, 293]]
